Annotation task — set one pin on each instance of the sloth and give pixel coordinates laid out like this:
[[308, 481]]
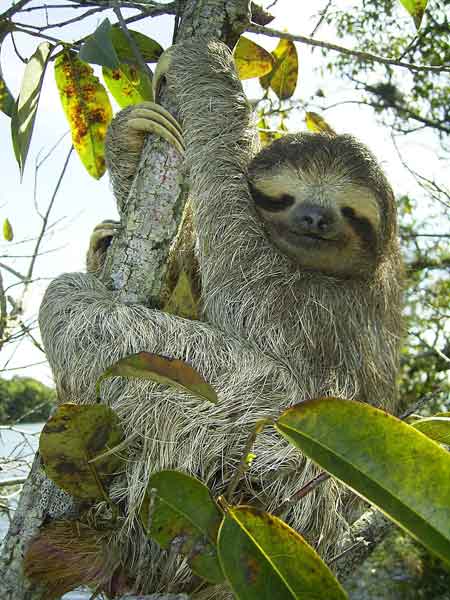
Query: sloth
[[301, 297]]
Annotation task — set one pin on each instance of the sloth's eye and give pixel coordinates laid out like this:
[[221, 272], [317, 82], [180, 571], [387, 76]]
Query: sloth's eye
[[285, 200], [271, 203], [348, 212]]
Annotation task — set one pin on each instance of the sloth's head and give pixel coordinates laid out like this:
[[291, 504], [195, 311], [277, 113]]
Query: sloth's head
[[325, 203]]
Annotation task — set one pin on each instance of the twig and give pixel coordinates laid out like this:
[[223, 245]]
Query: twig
[[17, 7], [16, 50], [88, 13], [133, 45], [366, 56], [245, 462], [301, 493], [13, 271], [3, 312], [9, 482], [23, 29], [323, 14], [45, 221]]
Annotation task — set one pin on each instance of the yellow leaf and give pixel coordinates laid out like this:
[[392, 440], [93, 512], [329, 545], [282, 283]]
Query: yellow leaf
[[317, 124], [8, 232], [283, 78], [87, 108], [251, 60], [182, 301], [416, 9]]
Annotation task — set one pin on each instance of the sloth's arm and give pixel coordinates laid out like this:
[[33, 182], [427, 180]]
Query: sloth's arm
[[85, 329], [219, 139]]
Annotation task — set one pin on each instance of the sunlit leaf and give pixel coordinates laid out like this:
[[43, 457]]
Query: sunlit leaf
[[67, 554], [168, 371], [317, 124], [150, 49], [8, 232], [416, 9], [98, 48], [263, 559], [128, 84], [184, 515], [436, 428], [87, 109], [6, 99], [24, 114], [283, 77], [251, 60], [391, 464], [71, 438]]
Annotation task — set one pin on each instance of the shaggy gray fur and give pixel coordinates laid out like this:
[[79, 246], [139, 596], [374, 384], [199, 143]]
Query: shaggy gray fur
[[273, 335]]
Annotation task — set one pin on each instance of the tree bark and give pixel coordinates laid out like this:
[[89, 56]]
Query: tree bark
[[136, 269]]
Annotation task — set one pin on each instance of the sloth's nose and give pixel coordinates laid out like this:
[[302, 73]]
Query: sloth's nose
[[313, 219]]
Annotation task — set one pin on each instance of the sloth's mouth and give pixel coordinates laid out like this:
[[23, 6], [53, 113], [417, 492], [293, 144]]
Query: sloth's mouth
[[309, 240]]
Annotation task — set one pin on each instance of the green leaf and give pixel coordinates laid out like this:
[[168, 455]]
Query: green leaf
[[401, 471], [284, 75], [317, 124], [6, 98], [87, 108], [24, 114], [251, 60], [73, 436], [98, 47], [263, 559], [150, 49], [8, 232], [168, 371], [128, 84], [184, 514], [436, 428], [416, 9]]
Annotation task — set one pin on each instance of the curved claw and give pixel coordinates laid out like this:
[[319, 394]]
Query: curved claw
[[153, 118], [99, 242]]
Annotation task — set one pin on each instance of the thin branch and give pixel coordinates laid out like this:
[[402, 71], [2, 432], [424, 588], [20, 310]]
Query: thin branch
[[301, 493], [16, 50], [3, 312], [17, 7], [131, 41], [88, 13], [10, 482], [366, 56], [13, 272], [23, 28], [323, 14], [45, 221]]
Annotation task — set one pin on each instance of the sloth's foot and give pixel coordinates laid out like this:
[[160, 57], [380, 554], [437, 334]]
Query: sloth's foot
[[99, 243], [148, 117]]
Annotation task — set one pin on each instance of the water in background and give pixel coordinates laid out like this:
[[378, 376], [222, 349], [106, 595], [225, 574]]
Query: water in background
[[21, 443]]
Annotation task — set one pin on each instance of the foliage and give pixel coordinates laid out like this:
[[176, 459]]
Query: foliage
[[404, 101], [25, 397], [256, 553]]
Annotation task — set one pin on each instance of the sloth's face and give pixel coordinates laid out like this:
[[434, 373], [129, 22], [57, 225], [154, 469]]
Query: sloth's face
[[324, 223]]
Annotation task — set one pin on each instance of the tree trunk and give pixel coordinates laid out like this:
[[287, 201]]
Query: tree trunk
[[136, 269]]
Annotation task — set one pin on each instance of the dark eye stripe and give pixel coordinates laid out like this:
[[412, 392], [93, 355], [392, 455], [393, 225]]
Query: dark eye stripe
[[271, 203], [361, 226]]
